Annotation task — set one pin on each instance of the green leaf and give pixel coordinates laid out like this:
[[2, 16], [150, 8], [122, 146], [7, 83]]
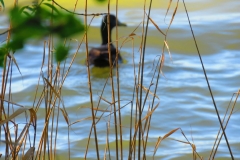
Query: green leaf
[[30, 8], [3, 52], [51, 7], [61, 53], [27, 8], [26, 13], [16, 44], [2, 2], [35, 3], [66, 26], [16, 16], [31, 23]]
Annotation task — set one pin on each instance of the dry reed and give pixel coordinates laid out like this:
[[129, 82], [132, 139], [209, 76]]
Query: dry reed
[[25, 145]]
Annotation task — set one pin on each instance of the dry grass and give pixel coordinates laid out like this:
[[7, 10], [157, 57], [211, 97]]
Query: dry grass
[[23, 144]]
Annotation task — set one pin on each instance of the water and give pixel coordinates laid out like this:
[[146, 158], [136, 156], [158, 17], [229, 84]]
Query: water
[[184, 97]]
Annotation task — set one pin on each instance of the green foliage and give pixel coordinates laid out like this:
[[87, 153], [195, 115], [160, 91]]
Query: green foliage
[[66, 25], [3, 52], [61, 53], [39, 21], [2, 3]]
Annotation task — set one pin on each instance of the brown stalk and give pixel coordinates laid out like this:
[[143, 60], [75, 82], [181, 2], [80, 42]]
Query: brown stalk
[[118, 86], [112, 83], [213, 152], [140, 81], [90, 88], [209, 87], [161, 61]]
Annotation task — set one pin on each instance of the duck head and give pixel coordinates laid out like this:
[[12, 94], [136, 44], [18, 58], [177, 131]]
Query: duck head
[[104, 27]]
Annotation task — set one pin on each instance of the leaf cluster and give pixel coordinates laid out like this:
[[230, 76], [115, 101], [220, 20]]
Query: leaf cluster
[[37, 22]]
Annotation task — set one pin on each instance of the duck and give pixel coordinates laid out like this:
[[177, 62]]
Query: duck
[[99, 56]]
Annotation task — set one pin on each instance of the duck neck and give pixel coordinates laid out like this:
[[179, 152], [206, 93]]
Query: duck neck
[[104, 32]]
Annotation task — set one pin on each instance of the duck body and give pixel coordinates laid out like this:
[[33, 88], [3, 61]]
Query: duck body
[[99, 56]]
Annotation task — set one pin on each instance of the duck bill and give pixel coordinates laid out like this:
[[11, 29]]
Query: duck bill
[[121, 24]]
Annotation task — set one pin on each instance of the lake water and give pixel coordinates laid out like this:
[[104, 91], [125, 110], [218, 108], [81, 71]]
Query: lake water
[[183, 94]]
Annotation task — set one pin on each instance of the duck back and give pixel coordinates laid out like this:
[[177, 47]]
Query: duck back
[[99, 57]]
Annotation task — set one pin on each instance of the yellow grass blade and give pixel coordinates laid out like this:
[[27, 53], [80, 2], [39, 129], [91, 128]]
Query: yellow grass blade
[[174, 13], [65, 115], [165, 42], [169, 4], [150, 113], [156, 25], [147, 90], [162, 63], [15, 114], [96, 109], [50, 85], [161, 139], [156, 146], [20, 139], [170, 133], [194, 152], [180, 141], [106, 100], [83, 119], [132, 34], [15, 62], [33, 116]]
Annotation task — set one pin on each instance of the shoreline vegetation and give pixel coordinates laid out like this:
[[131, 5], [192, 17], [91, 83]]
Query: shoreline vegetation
[[56, 24]]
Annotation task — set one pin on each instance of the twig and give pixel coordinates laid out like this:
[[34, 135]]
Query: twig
[[81, 14]]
